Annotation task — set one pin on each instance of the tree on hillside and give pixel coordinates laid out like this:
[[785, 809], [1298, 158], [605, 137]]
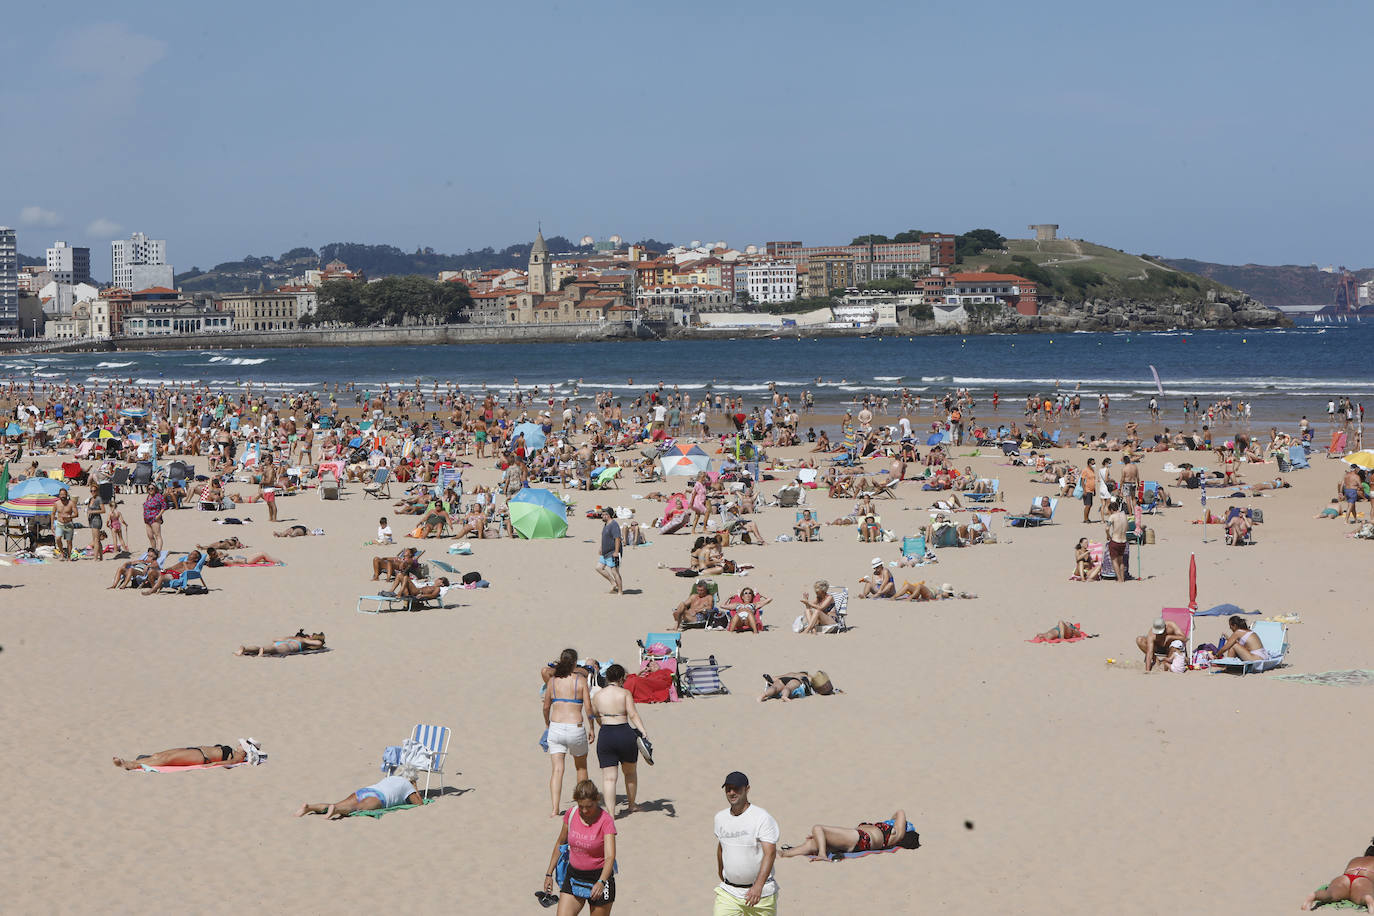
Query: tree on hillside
[[872, 238], [654, 245], [394, 301], [976, 241]]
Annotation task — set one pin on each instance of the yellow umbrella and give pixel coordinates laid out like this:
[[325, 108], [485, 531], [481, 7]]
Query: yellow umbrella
[[1364, 459]]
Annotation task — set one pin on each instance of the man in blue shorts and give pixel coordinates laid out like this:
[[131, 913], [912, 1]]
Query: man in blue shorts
[[388, 793], [612, 544]]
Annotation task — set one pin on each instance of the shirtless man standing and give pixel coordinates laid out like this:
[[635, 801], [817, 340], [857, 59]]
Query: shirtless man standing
[[267, 488], [1130, 481], [1350, 491]]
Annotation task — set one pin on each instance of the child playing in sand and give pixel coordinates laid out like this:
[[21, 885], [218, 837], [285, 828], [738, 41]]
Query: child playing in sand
[[384, 532]]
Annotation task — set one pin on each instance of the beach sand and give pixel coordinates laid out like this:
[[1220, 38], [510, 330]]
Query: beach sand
[[1089, 786]]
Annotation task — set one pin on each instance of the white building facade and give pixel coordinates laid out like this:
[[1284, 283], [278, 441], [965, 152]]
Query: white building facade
[[9, 282], [771, 281], [69, 264], [139, 251]]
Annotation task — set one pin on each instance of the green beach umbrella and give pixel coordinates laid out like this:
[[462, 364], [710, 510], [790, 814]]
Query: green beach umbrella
[[536, 514]]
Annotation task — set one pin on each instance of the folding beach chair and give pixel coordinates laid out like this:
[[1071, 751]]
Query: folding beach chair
[[181, 581], [1149, 502], [329, 487], [605, 479], [946, 535], [702, 680], [1034, 521], [796, 531], [436, 739], [449, 476], [840, 612], [1273, 636], [1297, 457], [666, 649], [1183, 617], [142, 476], [380, 488], [120, 478], [72, 471], [380, 604], [914, 547], [988, 497]]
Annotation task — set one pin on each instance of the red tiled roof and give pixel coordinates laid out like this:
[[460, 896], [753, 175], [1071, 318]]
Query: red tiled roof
[[155, 291]]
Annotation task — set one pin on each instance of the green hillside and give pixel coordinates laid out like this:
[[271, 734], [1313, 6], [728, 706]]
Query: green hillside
[[1074, 271]]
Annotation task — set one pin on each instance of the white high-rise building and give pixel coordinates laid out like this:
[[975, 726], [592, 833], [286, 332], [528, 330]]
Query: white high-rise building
[[9, 282], [68, 264], [771, 281], [139, 251]]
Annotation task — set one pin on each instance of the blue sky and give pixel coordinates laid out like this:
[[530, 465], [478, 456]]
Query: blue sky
[[1232, 132]]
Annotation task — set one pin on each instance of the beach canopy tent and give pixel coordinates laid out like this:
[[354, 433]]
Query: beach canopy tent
[[682, 460], [533, 433], [537, 514]]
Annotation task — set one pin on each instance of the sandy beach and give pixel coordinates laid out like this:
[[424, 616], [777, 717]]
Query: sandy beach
[[1042, 778]]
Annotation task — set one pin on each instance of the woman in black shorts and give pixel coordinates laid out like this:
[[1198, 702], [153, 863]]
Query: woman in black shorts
[[617, 740]]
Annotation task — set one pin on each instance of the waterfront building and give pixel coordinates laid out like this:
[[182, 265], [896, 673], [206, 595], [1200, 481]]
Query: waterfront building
[[1015, 292], [174, 315], [139, 262], [9, 282], [68, 263], [771, 281], [261, 311]]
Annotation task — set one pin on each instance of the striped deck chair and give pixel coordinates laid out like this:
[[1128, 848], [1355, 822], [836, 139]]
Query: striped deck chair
[[703, 680], [436, 738], [840, 612]]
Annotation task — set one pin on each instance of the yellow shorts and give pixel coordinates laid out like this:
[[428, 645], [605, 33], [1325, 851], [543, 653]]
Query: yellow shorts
[[727, 904]]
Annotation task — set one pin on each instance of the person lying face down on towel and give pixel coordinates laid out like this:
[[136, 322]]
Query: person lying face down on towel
[[1355, 885], [868, 836], [388, 793], [247, 751]]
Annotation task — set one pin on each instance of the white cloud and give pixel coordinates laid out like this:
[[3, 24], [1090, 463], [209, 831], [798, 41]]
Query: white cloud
[[104, 227], [38, 216]]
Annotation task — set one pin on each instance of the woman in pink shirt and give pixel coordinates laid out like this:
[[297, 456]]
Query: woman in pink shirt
[[589, 832]]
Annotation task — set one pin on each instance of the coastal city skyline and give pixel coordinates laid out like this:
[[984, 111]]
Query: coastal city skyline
[[1047, 124]]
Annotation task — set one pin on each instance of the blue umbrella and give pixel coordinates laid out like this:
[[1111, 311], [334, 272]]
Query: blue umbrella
[[534, 435], [935, 439], [13, 430], [133, 412], [37, 486], [537, 513]]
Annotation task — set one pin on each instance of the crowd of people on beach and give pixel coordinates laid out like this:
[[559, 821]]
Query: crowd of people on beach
[[128, 443]]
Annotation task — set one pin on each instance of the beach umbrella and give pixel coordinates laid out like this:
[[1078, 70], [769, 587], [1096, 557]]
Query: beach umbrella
[[13, 429], [1192, 581], [32, 497], [935, 438], [1363, 459], [534, 436], [537, 514], [133, 412], [684, 460]]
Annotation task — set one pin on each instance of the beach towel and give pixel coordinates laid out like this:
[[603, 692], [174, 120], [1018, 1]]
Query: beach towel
[[378, 812], [1079, 638], [277, 563], [1339, 904], [198, 766], [841, 856], [651, 687]]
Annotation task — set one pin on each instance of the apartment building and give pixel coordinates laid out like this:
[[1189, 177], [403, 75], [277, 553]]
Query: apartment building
[[771, 281], [9, 282], [69, 264], [139, 262], [264, 311]]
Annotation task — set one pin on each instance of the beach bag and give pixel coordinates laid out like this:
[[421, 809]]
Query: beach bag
[[799, 624], [471, 578], [1078, 490], [1257, 516], [415, 754]]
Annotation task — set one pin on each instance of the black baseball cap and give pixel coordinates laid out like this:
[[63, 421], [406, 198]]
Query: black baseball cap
[[736, 779]]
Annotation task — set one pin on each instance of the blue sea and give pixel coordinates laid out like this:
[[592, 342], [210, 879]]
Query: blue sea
[[1284, 372]]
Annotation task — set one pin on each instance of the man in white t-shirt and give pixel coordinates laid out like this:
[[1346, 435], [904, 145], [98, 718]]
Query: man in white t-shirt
[[389, 792], [746, 845]]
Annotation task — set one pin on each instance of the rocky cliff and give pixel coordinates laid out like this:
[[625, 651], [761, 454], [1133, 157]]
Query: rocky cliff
[[1220, 310]]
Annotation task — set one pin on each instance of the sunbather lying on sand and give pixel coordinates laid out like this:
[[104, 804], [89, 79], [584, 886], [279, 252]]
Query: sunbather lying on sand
[[214, 558], [292, 645], [1061, 630], [796, 684], [1356, 884], [387, 793], [825, 841], [210, 754], [223, 544]]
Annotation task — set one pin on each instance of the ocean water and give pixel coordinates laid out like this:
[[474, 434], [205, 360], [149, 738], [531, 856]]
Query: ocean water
[[1284, 372]]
